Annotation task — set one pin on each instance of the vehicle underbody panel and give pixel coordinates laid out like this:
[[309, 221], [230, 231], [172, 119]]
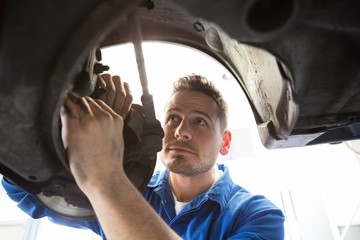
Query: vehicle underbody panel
[[296, 61]]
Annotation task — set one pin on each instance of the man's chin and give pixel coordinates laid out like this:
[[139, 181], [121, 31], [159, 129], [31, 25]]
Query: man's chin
[[187, 170]]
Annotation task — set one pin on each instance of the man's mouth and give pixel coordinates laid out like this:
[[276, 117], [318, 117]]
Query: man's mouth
[[180, 149]]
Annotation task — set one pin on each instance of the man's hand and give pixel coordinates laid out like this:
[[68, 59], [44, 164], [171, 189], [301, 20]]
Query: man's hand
[[92, 132], [118, 94]]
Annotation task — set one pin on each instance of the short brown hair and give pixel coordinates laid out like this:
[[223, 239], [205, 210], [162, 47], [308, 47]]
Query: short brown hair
[[201, 84]]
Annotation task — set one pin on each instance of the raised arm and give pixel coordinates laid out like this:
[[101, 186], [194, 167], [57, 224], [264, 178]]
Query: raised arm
[[92, 135]]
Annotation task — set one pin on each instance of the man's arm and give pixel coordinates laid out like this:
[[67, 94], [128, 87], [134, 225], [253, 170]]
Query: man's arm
[[98, 169]]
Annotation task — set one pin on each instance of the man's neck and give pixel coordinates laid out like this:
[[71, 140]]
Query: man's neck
[[187, 188]]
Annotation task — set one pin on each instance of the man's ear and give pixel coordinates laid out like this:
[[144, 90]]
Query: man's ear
[[226, 143]]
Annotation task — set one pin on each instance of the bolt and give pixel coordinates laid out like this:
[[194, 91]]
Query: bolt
[[98, 54], [100, 68], [199, 27], [48, 193], [59, 186]]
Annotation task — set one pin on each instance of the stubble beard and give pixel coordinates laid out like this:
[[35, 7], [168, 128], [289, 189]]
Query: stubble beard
[[179, 165]]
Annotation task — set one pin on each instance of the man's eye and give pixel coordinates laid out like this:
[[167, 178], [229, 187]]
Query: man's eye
[[173, 118], [200, 121]]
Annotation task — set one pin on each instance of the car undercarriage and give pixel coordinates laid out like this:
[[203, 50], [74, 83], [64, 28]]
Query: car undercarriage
[[296, 61]]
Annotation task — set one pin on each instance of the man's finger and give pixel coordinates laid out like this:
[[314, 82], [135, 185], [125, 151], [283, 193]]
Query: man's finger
[[111, 90], [66, 110], [84, 107], [104, 108], [70, 106], [100, 89], [96, 108], [70, 118], [120, 95], [128, 100], [78, 106]]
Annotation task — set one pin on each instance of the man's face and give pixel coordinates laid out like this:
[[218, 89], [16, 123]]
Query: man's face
[[193, 137]]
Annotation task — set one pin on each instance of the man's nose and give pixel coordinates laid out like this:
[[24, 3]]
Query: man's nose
[[183, 132]]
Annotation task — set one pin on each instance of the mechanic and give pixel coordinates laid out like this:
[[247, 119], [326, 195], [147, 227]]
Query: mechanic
[[194, 198]]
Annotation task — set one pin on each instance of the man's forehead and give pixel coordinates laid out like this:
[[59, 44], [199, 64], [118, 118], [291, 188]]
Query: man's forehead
[[191, 100]]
